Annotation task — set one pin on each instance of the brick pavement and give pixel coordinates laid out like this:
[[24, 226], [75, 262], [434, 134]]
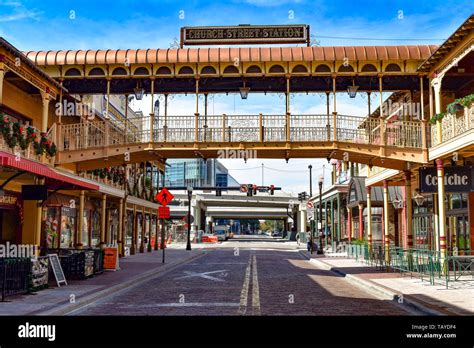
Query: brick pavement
[[254, 282], [132, 269], [457, 300]]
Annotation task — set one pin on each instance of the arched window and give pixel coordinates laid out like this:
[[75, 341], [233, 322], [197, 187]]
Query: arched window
[[300, 69], [276, 69], [346, 68], [163, 70], [96, 72], [73, 72], [369, 68], [392, 67], [208, 70], [186, 70], [322, 68], [231, 69], [141, 71], [119, 71], [254, 69]]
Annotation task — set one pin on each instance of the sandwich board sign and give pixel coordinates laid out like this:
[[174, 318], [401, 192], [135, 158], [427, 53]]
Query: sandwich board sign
[[57, 269]]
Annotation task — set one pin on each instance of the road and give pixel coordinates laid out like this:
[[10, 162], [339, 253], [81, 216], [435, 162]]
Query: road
[[245, 278]]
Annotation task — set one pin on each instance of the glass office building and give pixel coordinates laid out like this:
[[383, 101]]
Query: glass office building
[[198, 173]]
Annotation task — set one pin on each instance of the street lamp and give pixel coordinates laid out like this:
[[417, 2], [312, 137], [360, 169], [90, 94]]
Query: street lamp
[[138, 91], [352, 90], [190, 194], [244, 91], [321, 231], [419, 198], [310, 167]]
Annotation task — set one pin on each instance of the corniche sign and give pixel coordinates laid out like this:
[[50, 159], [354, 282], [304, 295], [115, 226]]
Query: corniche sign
[[245, 34], [456, 179]]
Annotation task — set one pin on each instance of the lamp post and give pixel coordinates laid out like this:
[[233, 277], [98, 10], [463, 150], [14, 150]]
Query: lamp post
[[321, 234], [190, 194]]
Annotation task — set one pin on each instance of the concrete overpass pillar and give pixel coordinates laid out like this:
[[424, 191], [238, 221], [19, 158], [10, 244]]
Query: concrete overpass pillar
[[301, 218], [196, 212]]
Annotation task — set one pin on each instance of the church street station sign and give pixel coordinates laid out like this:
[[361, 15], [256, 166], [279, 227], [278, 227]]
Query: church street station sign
[[456, 179], [245, 34]]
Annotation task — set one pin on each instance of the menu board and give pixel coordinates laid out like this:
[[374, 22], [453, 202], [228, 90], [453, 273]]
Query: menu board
[[57, 269]]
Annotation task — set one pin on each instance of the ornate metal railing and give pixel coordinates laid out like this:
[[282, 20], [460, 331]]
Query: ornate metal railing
[[453, 125], [241, 128]]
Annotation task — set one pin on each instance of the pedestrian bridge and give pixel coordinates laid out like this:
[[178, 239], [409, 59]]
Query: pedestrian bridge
[[389, 143]]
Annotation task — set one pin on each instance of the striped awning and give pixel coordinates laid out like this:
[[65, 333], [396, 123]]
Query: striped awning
[[54, 178]]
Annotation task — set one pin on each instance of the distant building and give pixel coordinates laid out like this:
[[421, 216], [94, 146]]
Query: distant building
[[198, 173]]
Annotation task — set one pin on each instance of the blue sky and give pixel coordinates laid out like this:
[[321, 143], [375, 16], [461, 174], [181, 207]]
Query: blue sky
[[54, 25]]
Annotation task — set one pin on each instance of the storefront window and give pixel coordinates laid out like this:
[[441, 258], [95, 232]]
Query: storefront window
[[129, 229], [51, 228], [95, 228], [85, 228], [68, 226]]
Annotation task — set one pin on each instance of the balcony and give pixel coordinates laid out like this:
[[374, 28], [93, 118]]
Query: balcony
[[452, 125], [25, 141]]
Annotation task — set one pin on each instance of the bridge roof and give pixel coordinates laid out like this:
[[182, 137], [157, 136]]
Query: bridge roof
[[230, 54]]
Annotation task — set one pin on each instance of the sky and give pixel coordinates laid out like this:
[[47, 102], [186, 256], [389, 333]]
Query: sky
[[61, 25]]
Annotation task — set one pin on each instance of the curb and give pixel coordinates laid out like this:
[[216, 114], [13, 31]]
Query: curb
[[380, 290], [65, 308]]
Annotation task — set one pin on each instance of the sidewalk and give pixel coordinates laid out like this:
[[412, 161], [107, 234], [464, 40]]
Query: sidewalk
[[412, 291], [133, 270]]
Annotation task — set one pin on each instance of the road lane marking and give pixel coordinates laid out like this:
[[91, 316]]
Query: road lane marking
[[245, 289], [255, 289], [205, 275]]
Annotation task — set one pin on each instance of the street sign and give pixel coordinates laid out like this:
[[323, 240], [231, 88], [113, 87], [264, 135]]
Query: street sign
[[243, 188], [310, 205], [164, 196], [163, 212], [185, 219]]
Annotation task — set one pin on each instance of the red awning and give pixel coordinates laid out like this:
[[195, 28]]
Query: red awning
[[9, 160]]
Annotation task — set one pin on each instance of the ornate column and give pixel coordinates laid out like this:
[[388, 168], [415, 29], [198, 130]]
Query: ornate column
[[349, 224], [409, 210], [441, 212], [369, 217], [80, 222], [103, 214], [436, 84], [334, 112], [133, 248], [142, 242], [121, 239], [44, 116], [2, 75], [361, 221], [386, 220]]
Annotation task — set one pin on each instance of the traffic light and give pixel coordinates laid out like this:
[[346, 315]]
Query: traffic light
[[218, 192], [249, 190], [254, 187], [272, 189]]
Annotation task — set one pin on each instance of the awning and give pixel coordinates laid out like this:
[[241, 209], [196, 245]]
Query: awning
[[53, 179], [357, 193]]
